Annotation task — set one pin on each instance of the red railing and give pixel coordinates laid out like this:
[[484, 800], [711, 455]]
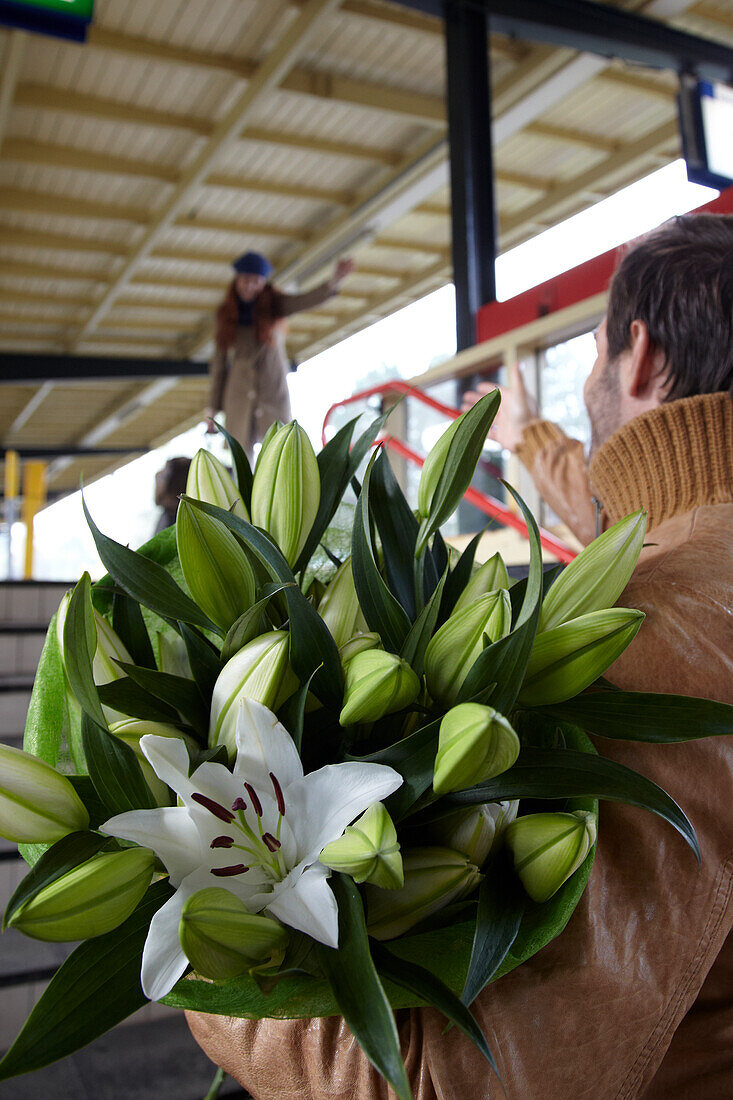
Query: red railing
[[489, 505]]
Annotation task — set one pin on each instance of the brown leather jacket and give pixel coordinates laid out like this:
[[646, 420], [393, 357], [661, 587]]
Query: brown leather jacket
[[635, 998]]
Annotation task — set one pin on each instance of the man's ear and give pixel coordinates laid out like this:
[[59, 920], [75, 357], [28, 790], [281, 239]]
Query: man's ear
[[644, 364]]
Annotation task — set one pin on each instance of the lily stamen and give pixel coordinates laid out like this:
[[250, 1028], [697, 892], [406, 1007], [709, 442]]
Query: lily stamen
[[256, 804], [222, 842], [272, 843], [226, 872], [213, 807], [278, 794]]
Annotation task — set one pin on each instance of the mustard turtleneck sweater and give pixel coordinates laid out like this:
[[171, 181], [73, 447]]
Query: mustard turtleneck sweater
[[670, 460]]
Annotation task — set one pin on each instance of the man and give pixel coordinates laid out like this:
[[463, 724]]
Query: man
[[635, 998]]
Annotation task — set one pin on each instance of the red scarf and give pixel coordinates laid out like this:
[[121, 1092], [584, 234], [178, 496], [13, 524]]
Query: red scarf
[[268, 310]]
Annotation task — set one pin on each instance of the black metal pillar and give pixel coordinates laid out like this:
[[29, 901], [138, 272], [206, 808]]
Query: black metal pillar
[[472, 177]]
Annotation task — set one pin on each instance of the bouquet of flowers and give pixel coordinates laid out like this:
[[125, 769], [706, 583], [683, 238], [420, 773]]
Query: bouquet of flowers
[[268, 774]]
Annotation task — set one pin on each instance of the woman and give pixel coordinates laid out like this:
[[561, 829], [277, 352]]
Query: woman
[[249, 368]]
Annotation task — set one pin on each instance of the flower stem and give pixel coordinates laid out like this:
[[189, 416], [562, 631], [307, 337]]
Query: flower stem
[[216, 1084]]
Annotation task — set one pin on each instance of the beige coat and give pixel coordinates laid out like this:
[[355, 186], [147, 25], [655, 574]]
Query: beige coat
[[249, 381], [634, 999]]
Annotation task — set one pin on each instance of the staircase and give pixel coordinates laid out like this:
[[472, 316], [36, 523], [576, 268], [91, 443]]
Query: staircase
[[151, 1054]]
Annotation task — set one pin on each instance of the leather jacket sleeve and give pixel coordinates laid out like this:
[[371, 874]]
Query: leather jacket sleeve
[[559, 469]]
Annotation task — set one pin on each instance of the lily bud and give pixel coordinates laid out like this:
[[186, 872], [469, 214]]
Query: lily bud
[[475, 743], [339, 607], [209, 481], [358, 644], [286, 490], [432, 469], [434, 877], [130, 731], [38, 805], [455, 646], [376, 683], [216, 568], [475, 832], [568, 658], [548, 848], [261, 671], [109, 649], [597, 577], [89, 900], [222, 939], [267, 439], [368, 850], [489, 577]]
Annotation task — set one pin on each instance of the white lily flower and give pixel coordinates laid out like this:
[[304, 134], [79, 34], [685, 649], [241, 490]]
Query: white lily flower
[[257, 831]]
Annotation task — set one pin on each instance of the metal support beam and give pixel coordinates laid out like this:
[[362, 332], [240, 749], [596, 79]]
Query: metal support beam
[[472, 177], [72, 451], [17, 368], [600, 29]]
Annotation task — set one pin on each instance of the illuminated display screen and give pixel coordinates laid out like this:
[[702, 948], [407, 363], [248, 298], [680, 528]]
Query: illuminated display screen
[[706, 122], [716, 104], [81, 8], [66, 18]]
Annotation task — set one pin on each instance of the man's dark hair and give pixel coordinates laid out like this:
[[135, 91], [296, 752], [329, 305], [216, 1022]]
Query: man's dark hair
[[679, 281]]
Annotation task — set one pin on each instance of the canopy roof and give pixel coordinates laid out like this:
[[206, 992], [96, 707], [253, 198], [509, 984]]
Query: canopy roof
[[135, 167]]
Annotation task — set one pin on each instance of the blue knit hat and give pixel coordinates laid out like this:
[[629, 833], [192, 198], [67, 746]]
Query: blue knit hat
[[252, 263]]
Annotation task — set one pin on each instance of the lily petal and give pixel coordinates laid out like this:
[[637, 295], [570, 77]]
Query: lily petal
[[264, 746], [306, 902], [324, 802], [169, 832], [169, 759], [164, 961]]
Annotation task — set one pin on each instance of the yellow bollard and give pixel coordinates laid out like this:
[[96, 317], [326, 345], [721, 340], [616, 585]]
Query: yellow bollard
[[34, 498]]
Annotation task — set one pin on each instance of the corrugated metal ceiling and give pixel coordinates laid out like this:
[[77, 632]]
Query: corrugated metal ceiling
[[98, 138]]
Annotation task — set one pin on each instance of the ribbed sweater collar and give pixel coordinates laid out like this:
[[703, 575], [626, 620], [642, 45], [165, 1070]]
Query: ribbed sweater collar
[[670, 460]]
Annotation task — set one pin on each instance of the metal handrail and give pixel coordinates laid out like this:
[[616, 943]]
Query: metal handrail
[[487, 504]]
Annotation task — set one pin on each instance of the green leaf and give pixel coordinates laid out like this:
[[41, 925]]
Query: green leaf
[[98, 812], [64, 855], [129, 625], [414, 758], [127, 697], [247, 626], [422, 629], [563, 773], [176, 691], [203, 658], [460, 462], [242, 468], [459, 576], [292, 712], [114, 770], [398, 529], [97, 987], [504, 663], [501, 905], [645, 716], [358, 990], [311, 644], [333, 461], [146, 581], [424, 984], [47, 720], [383, 613], [80, 645], [336, 466]]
